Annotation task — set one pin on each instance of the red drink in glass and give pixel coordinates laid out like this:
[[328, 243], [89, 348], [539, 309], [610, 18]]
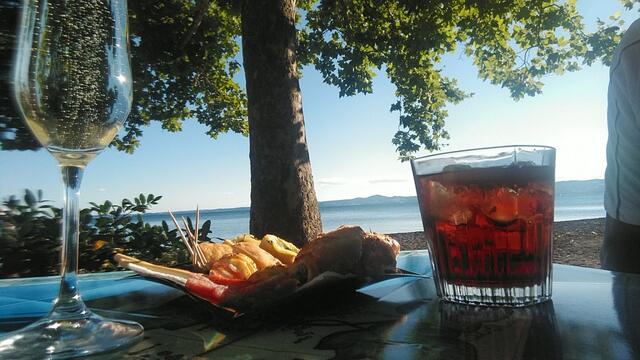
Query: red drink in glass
[[489, 230]]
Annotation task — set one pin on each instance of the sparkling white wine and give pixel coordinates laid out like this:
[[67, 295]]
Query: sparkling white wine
[[73, 83], [74, 145]]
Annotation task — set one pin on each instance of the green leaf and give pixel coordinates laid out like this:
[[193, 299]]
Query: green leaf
[[205, 230], [29, 198], [189, 223]]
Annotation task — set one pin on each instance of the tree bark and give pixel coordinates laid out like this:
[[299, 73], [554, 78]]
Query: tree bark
[[283, 199]]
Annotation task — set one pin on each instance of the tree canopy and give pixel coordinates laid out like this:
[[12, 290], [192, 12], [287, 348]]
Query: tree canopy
[[186, 58]]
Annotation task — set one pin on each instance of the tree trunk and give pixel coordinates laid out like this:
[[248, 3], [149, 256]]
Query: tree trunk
[[283, 200]]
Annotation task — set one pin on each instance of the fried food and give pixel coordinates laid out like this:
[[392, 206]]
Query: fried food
[[250, 276], [280, 248], [261, 257], [232, 268], [243, 238], [214, 252], [349, 249], [379, 254], [338, 251]]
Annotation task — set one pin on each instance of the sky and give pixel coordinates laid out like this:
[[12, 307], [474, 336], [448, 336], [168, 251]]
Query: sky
[[349, 141]]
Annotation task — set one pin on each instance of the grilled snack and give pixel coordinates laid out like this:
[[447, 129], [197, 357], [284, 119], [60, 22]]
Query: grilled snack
[[214, 252], [243, 238], [261, 257], [338, 251], [251, 277], [379, 254], [232, 268], [281, 249]]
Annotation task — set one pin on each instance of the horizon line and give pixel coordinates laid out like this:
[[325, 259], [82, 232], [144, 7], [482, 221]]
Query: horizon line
[[331, 200]]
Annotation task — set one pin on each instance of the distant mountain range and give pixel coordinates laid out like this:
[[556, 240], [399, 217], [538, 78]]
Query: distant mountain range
[[370, 200], [563, 189]]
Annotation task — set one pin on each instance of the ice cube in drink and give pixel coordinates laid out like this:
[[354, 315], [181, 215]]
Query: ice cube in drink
[[489, 229]]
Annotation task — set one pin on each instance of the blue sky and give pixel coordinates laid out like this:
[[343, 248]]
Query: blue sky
[[349, 141]]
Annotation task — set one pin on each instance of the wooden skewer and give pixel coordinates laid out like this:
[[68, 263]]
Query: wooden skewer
[[199, 259], [203, 258], [197, 238], [195, 259], [197, 223], [183, 237], [186, 227]]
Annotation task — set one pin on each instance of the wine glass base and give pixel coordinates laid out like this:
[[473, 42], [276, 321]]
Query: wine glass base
[[64, 338]]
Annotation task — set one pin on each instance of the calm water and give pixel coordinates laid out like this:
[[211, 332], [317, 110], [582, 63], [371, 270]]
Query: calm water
[[381, 218], [399, 215]]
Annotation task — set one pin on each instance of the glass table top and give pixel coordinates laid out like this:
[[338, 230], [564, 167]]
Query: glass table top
[[592, 315]]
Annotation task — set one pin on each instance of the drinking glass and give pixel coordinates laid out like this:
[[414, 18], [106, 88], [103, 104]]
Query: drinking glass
[[488, 219], [73, 88]]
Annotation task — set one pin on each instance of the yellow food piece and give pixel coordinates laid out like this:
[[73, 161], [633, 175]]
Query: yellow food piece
[[233, 267], [261, 257], [243, 238], [213, 252], [279, 248], [240, 265]]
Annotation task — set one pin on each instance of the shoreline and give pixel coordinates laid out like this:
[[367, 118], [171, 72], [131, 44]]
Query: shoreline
[[575, 242]]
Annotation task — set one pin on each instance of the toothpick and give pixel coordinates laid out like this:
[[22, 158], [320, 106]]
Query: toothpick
[[197, 223], [182, 236], [203, 259], [195, 256], [186, 226], [199, 258]]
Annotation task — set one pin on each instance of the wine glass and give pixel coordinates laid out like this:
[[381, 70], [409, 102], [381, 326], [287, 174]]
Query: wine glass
[[73, 87]]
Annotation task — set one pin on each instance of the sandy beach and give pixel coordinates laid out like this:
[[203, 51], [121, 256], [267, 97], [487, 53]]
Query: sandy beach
[[574, 242]]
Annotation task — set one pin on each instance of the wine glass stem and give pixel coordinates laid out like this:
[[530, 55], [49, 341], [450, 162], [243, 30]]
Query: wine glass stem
[[69, 304]]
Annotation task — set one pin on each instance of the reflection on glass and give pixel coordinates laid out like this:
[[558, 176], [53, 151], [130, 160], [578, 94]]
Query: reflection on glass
[[73, 87], [444, 330], [505, 333]]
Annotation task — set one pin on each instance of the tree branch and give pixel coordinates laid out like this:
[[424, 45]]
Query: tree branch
[[201, 9]]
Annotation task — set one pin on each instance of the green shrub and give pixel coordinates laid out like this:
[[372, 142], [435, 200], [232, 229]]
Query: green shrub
[[30, 233]]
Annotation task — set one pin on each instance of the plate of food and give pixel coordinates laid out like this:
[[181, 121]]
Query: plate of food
[[248, 274]]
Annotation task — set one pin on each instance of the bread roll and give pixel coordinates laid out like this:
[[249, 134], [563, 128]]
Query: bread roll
[[338, 251]]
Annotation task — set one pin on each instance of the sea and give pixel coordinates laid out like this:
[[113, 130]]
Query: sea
[[574, 200]]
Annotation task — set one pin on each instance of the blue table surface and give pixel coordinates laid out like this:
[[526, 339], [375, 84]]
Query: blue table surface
[[593, 314]]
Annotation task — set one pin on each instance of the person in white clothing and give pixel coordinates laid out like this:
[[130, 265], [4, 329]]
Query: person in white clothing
[[621, 246]]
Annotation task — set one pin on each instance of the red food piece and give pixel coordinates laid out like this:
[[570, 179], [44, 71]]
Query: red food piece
[[203, 287]]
